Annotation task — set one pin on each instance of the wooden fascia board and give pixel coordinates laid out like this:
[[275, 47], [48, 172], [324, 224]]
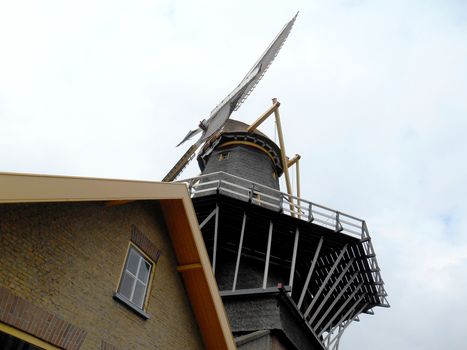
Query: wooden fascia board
[[200, 282], [23, 188], [180, 218]]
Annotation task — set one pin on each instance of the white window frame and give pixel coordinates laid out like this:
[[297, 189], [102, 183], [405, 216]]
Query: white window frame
[[140, 309]]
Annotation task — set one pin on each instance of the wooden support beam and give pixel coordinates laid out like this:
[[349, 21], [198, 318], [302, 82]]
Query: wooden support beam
[[182, 162], [263, 117], [299, 201], [294, 160], [283, 156], [118, 202], [187, 267]]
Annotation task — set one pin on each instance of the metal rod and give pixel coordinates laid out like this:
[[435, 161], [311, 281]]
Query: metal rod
[[214, 248], [299, 201], [209, 217], [310, 213], [294, 259], [226, 175], [312, 267], [348, 313], [336, 299], [325, 340], [343, 306], [336, 345], [339, 335], [240, 244], [263, 117], [329, 293], [316, 296], [342, 319], [339, 227], [268, 256]]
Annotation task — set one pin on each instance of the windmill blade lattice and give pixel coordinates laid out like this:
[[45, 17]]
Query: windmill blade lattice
[[221, 113]]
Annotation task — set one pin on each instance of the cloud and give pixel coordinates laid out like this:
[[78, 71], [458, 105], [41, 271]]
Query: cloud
[[373, 98]]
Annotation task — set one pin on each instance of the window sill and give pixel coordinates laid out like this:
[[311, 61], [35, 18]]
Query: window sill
[[129, 305]]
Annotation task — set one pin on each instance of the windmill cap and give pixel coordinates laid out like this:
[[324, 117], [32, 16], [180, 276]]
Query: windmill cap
[[237, 131]]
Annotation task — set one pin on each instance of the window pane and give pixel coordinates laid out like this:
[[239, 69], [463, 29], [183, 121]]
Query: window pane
[[126, 285], [144, 271], [138, 296], [133, 260]]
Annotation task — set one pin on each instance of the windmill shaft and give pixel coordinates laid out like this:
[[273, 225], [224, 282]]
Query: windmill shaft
[[181, 164]]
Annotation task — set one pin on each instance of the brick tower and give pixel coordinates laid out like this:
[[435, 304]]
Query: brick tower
[[292, 274]]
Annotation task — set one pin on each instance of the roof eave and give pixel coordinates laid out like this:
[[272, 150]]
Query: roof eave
[[181, 221]]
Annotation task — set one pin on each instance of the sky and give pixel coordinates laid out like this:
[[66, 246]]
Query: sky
[[373, 97]]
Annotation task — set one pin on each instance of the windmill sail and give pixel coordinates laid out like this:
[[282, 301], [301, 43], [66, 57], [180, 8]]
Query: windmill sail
[[266, 59], [190, 134], [233, 101]]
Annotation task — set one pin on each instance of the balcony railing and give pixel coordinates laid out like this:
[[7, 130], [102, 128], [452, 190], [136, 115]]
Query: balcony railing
[[267, 197], [366, 283]]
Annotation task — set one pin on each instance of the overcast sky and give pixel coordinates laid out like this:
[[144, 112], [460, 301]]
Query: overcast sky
[[373, 96]]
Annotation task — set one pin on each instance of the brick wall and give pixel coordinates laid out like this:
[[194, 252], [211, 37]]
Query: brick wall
[[66, 259], [22, 314], [246, 162]]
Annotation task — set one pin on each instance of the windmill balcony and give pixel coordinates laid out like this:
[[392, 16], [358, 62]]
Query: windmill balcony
[[267, 197], [277, 257]]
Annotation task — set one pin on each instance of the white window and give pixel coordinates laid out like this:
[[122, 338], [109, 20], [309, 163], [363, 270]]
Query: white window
[[136, 278], [224, 155]]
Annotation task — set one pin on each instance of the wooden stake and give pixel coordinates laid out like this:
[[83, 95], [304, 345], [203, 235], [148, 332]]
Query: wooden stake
[[283, 156], [263, 117]]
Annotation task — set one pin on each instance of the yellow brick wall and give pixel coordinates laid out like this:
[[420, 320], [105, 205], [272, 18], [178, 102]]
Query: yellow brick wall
[[67, 258]]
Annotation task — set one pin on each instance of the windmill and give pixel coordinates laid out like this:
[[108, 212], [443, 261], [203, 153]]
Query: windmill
[[221, 113], [292, 274]]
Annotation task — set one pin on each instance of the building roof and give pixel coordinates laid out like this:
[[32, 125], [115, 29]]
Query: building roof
[[235, 126], [192, 258], [236, 132]]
